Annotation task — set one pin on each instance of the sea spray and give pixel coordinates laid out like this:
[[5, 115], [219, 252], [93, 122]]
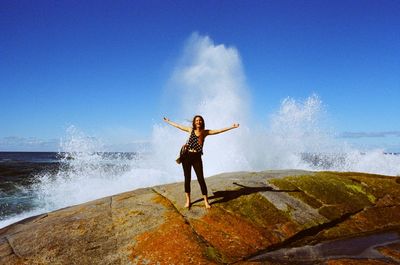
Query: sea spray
[[293, 139], [86, 174], [208, 80], [294, 129]]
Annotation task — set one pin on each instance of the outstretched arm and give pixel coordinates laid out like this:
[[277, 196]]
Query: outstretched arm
[[183, 128], [212, 132]]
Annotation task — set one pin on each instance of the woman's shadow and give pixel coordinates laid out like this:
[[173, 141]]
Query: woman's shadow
[[228, 195]]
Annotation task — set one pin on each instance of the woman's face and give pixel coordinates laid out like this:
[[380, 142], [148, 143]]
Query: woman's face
[[198, 122]]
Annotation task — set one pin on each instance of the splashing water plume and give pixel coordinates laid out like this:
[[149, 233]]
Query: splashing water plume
[[209, 81], [87, 174]]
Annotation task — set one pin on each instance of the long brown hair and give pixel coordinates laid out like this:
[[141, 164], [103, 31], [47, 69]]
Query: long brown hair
[[194, 125], [201, 137]]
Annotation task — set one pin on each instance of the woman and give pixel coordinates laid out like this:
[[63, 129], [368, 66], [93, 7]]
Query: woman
[[197, 135]]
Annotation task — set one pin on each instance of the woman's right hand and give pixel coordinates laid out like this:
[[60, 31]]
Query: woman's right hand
[[183, 128]]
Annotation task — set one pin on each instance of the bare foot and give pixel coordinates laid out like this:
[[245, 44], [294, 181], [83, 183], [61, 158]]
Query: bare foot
[[187, 195], [208, 206]]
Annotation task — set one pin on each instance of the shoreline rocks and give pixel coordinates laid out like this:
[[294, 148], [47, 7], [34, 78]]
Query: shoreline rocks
[[256, 218]]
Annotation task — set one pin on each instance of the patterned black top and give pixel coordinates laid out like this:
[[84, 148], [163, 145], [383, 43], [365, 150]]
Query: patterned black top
[[193, 143]]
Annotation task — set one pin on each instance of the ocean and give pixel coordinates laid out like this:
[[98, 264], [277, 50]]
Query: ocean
[[18, 172], [27, 180], [32, 183]]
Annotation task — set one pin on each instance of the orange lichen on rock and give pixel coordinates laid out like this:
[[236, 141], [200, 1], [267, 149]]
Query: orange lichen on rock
[[392, 250], [173, 242], [248, 219], [232, 235], [371, 219]]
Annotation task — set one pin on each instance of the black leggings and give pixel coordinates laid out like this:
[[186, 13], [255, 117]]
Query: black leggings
[[194, 159]]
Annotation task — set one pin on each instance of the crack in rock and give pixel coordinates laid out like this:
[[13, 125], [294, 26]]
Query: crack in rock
[[186, 220], [312, 231], [12, 248]]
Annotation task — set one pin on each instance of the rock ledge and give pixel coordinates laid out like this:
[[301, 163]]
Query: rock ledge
[[269, 217]]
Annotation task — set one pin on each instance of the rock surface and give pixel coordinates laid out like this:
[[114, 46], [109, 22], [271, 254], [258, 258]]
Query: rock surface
[[270, 217]]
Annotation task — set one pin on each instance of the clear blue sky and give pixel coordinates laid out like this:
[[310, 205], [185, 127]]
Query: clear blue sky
[[103, 65]]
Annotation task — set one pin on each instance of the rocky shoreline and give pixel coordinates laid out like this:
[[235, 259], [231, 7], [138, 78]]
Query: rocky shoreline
[[269, 217]]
